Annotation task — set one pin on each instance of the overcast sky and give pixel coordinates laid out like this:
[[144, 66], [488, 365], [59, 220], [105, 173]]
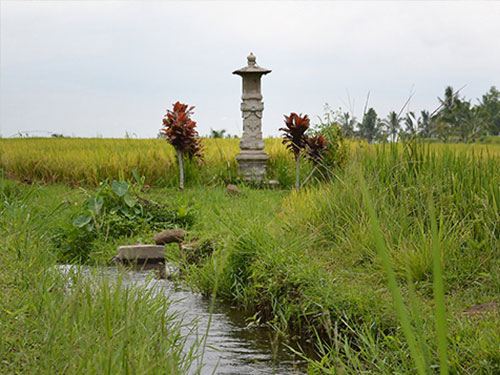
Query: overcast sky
[[107, 68]]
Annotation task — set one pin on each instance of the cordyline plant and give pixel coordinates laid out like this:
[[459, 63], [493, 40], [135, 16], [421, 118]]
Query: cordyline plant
[[317, 147], [180, 132], [296, 140]]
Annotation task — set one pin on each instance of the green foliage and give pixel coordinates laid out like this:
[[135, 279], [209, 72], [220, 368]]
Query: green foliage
[[115, 210], [490, 140], [393, 125], [9, 190], [217, 133], [336, 148], [78, 321], [312, 265], [491, 105], [369, 127], [455, 120]]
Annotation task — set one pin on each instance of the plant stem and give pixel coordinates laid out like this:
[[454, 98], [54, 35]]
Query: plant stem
[[181, 169], [297, 172], [309, 176]]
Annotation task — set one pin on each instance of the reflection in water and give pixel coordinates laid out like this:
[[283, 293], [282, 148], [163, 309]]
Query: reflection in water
[[231, 347]]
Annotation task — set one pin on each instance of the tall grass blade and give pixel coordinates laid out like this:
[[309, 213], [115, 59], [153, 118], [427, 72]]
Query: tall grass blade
[[402, 314], [438, 284]]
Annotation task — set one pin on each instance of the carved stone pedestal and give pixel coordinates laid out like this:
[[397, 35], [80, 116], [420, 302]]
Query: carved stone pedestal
[[252, 165], [252, 158]]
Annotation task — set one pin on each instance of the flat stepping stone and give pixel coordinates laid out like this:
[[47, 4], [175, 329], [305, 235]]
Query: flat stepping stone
[[141, 253]]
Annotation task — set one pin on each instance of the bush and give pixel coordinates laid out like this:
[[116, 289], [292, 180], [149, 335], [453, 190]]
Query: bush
[[335, 156], [115, 210]]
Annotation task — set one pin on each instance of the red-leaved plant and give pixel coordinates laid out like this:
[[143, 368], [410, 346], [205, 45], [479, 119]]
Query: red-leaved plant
[[180, 132], [295, 138], [316, 148]]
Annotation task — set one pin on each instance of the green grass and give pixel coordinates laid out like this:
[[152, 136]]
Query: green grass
[[490, 139], [314, 267], [378, 288], [53, 323]]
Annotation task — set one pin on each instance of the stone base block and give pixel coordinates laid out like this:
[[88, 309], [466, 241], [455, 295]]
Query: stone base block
[[252, 165], [141, 253]]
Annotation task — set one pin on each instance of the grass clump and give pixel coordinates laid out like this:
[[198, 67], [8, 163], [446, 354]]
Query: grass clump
[[313, 266], [54, 323]]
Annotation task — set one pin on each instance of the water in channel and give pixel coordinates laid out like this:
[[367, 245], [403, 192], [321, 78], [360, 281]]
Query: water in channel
[[231, 346]]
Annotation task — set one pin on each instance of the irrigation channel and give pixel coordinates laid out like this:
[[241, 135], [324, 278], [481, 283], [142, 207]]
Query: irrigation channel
[[232, 347]]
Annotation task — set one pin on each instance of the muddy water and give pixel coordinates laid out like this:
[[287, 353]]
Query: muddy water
[[231, 346]]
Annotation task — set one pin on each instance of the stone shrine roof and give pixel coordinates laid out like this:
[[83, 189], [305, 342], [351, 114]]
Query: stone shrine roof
[[252, 67]]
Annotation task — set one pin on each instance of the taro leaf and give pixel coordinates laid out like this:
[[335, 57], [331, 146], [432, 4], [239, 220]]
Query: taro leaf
[[114, 210], [95, 205], [82, 220], [120, 188], [130, 200]]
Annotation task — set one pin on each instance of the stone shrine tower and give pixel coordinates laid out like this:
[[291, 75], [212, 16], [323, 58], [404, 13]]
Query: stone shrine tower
[[252, 158]]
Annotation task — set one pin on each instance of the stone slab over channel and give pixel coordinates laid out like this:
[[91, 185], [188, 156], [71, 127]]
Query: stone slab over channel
[[141, 253]]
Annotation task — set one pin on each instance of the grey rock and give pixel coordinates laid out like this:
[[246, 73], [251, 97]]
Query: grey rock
[[169, 236]]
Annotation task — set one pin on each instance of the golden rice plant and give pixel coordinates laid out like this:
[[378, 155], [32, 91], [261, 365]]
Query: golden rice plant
[[87, 161]]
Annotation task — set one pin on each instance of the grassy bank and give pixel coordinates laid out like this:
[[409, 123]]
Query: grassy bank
[[57, 323], [306, 263], [313, 266]]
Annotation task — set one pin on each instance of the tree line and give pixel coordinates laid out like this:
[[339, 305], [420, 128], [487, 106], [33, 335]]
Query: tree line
[[455, 120]]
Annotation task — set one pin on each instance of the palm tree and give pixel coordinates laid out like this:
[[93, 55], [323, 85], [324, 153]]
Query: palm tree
[[411, 124], [393, 124], [347, 123], [425, 124], [369, 127], [448, 102]]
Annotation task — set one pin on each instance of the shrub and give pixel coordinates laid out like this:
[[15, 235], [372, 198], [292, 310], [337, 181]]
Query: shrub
[[295, 139], [180, 132], [334, 150], [115, 210]]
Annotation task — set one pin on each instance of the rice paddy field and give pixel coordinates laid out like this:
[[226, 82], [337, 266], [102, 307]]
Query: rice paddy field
[[87, 162], [392, 266]]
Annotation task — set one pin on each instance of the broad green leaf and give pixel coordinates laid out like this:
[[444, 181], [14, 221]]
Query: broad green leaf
[[120, 188], [130, 200], [95, 205], [139, 179], [82, 220]]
